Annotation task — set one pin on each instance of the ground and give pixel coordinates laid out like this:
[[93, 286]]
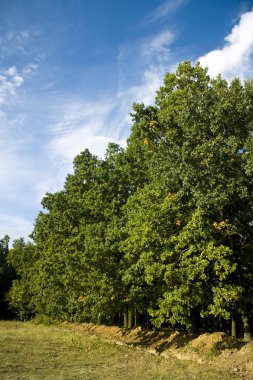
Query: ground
[[218, 348], [68, 351]]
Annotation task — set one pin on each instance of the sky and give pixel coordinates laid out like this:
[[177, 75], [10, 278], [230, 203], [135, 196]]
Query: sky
[[70, 71]]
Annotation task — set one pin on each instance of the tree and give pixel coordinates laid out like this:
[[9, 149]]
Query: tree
[[204, 128], [7, 274], [77, 241], [22, 258]]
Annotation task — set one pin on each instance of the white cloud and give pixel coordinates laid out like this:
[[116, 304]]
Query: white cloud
[[14, 42], [10, 36], [144, 92], [67, 145], [236, 57], [24, 35], [81, 125], [10, 81], [30, 68], [18, 174], [13, 45], [157, 46], [18, 80], [163, 11], [14, 226], [12, 71], [92, 125], [49, 85], [154, 58], [84, 124]]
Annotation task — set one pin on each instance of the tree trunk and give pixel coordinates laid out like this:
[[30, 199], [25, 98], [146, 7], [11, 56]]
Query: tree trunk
[[194, 329], [147, 321], [135, 317], [246, 327], [233, 327], [125, 320], [130, 318]]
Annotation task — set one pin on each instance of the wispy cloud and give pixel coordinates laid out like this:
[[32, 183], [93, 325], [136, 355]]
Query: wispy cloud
[[150, 58], [32, 66], [157, 46], [10, 81], [143, 92], [236, 57], [84, 124], [18, 172], [13, 43], [81, 125], [14, 226], [162, 12], [25, 171], [13, 46]]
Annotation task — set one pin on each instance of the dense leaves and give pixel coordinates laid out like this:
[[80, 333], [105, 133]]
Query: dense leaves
[[7, 275]]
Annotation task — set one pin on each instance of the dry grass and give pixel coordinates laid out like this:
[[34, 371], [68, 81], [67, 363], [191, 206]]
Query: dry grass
[[33, 352]]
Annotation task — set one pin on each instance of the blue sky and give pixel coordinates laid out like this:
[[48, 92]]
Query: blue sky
[[71, 69]]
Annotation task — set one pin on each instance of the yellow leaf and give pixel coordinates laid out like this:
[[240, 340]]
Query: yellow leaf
[[170, 196], [153, 123]]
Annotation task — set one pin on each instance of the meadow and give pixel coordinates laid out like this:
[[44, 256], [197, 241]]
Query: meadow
[[35, 352]]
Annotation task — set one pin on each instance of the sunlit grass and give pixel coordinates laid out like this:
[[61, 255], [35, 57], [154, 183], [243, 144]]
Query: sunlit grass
[[32, 352]]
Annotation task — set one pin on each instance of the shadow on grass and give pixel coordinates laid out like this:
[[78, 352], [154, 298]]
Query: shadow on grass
[[161, 341]]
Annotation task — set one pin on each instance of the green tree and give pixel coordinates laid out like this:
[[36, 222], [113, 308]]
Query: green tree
[[77, 241], [209, 124], [7, 274], [199, 159], [22, 257]]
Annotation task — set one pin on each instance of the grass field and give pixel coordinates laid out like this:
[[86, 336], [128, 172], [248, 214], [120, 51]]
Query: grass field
[[33, 352]]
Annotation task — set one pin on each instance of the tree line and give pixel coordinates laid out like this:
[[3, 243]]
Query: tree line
[[160, 232]]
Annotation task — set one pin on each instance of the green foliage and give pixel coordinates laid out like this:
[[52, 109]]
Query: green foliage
[[197, 228], [22, 257], [7, 274], [76, 239]]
